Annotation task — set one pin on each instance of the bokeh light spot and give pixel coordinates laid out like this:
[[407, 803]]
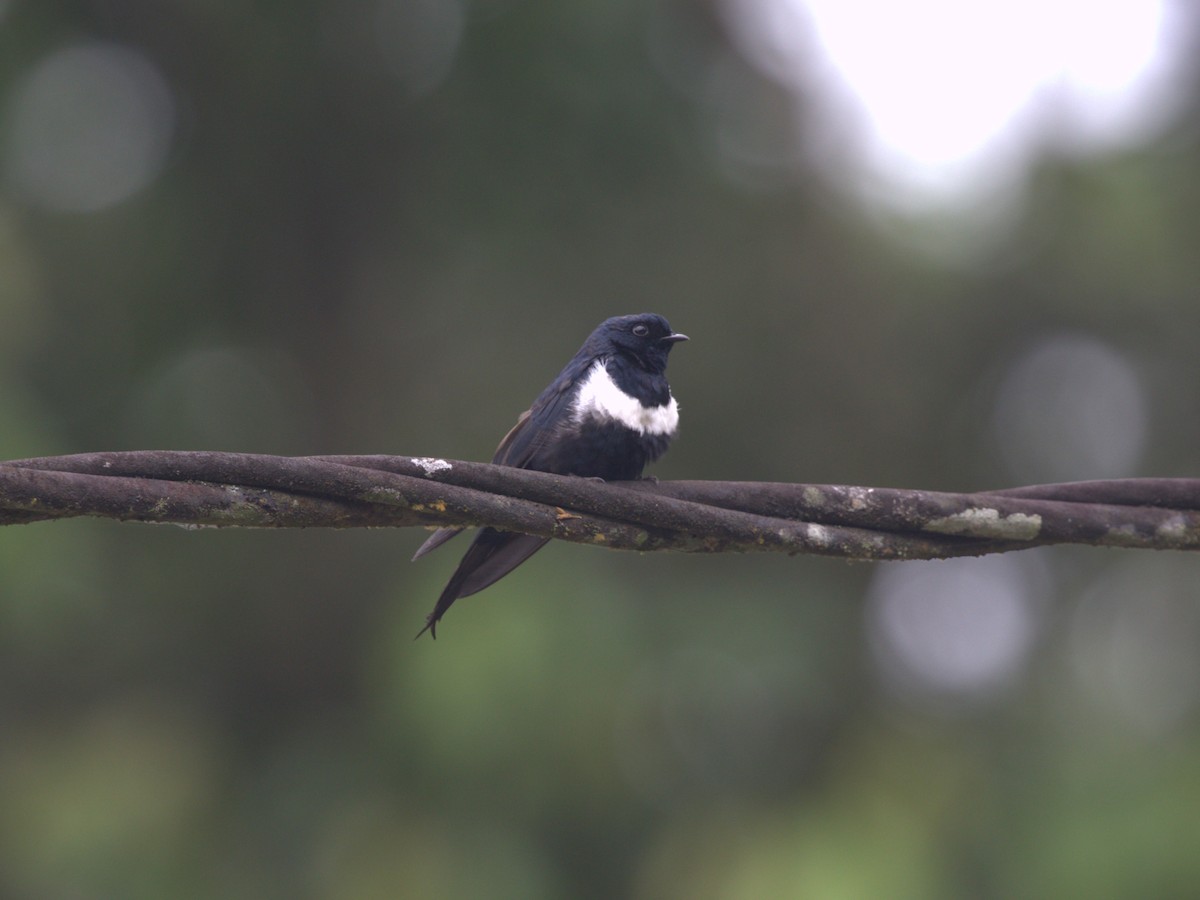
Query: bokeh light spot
[[1133, 640], [219, 395], [89, 127], [953, 630], [1071, 409], [419, 40]]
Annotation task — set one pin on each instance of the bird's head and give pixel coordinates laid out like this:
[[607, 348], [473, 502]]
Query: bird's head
[[645, 338]]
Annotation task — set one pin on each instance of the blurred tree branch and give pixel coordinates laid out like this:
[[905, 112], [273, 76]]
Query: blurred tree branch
[[249, 490]]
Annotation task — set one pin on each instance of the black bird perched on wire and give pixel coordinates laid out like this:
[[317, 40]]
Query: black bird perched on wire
[[607, 414]]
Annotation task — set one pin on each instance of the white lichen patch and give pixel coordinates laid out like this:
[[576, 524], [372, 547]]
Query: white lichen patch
[[818, 534], [814, 496], [431, 466], [1174, 532], [1125, 536], [987, 522], [860, 497]]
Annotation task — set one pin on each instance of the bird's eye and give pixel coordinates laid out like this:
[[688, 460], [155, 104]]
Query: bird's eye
[[641, 330]]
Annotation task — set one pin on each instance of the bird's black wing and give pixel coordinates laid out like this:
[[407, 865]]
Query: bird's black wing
[[521, 447], [502, 453], [436, 540]]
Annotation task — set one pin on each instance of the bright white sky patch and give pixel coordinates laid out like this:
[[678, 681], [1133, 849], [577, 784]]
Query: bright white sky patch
[[938, 94]]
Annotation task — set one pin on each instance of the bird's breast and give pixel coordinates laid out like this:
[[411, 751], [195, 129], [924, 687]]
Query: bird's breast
[[601, 401]]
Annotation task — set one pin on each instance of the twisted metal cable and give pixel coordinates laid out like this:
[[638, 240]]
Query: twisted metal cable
[[201, 488]]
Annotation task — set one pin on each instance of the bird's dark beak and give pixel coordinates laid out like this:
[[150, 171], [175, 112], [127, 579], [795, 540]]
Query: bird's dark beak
[[673, 338]]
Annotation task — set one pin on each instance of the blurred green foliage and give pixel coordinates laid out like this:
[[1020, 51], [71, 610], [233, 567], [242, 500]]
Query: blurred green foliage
[[382, 227]]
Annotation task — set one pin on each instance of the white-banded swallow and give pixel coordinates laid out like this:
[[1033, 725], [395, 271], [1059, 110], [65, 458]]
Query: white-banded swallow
[[607, 415]]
